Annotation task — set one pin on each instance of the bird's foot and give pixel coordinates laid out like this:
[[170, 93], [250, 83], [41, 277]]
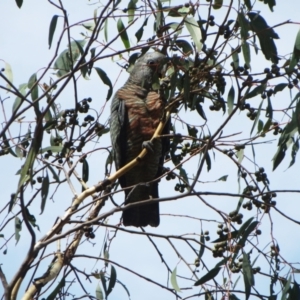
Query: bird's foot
[[148, 145]]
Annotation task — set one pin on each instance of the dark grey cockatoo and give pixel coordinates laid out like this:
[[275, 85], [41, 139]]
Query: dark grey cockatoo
[[136, 111]]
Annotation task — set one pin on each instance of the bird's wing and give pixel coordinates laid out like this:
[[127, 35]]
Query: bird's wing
[[118, 124]]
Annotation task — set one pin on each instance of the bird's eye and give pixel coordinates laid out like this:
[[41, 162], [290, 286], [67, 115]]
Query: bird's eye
[[151, 62]]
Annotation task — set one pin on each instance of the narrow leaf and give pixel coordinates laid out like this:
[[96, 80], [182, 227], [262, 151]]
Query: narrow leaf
[[256, 91], [260, 126], [52, 29], [7, 145], [235, 58], [140, 32], [19, 3], [294, 152], [123, 33], [174, 280], [9, 74], [18, 228], [280, 87], [202, 245], [55, 176], [286, 289], [210, 275], [296, 53], [257, 117], [57, 289], [195, 32], [112, 280], [279, 156], [85, 170], [248, 275], [246, 53], [45, 190], [18, 101], [223, 178], [106, 81], [217, 4], [230, 100], [103, 280], [99, 293], [33, 86], [248, 4]]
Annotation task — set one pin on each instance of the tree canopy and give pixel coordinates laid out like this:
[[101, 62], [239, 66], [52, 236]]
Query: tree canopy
[[228, 195]]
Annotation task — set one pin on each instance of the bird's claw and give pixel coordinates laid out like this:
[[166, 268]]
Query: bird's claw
[[148, 145]]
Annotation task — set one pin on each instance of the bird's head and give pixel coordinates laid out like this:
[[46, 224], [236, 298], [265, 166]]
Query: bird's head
[[147, 69]]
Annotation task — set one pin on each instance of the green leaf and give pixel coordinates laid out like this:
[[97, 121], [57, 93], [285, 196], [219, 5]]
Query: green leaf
[[244, 27], [140, 32], [19, 3], [174, 280], [248, 275], [296, 53], [256, 91], [280, 87], [257, 117], [269, 110], [112, 280], [33, 86], [45, 191], [267, 125], [85, 170], [271, 3], [240, 155], [7, 145], [286, 289], [183, 174], [208, 161], [18, 101], [279, 156], [184, 46], [260, 126], [99, 293], [246, 53], [294, 152], [54, 149], [18, 228], [266, 36], [230, 99], [223, 178], [235, 58], [52, 29], [57, 289], [55, 176], [200, 111], [65, 60], [106, 81], [186, 91], [105, 29], [210, 275], [178, 11], [123, 33], [103, 281], [8, 74], [27, 169], [217, 4], [159, 18], [244, 232], [248, 4], [295, 292], [202, 245], [195, 32]]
